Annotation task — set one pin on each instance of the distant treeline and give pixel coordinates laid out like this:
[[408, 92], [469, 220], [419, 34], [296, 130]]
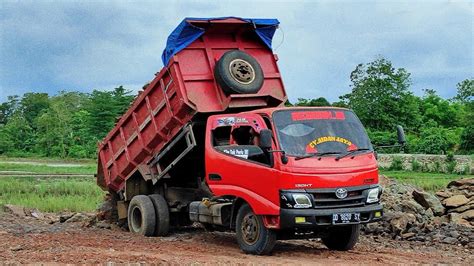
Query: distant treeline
[[65, 125], [70, 124]]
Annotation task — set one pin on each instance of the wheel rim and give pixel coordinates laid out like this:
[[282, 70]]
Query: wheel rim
[[136, 219], [242, 71], [250, 229]]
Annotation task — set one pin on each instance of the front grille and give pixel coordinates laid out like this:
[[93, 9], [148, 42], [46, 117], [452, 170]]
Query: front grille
[[326, 198]]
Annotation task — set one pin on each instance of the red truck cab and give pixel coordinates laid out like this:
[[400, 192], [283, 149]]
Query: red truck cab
[[317, 171]]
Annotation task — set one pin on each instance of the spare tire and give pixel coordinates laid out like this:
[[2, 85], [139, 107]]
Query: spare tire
[[238, 72]]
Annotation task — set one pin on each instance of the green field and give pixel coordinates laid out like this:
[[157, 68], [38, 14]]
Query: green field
[[86, 169], [49, 194], [427, 181]]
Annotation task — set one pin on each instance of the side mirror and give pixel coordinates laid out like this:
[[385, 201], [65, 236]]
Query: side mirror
[[265, 139], [401, 135]]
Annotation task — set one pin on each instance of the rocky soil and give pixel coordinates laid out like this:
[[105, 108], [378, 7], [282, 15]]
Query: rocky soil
[[415, 215]]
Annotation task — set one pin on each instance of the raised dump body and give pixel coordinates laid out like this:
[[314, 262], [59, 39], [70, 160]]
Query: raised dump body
[[187, 86]]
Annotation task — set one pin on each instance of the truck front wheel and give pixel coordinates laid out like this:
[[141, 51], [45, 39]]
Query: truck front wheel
[[141, 216], [342, 237], [252, 235]]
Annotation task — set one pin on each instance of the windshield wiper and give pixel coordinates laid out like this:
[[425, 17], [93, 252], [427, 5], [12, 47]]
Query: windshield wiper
[[350, 152], [309, 155]]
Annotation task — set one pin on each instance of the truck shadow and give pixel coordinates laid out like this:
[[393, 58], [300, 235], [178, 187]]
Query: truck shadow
[[227, 240]]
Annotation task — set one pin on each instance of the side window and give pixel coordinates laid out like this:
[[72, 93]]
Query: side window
[[221, 136], [245, 143]]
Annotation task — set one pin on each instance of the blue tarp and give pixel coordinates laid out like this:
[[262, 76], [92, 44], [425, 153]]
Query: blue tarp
[[186, 33]]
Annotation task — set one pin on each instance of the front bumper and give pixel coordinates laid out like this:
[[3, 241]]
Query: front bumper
[[323, 217]]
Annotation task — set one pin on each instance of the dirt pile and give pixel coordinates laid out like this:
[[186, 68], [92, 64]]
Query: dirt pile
[[416, 215]]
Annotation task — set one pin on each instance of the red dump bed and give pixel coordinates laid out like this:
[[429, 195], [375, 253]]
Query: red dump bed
[[181, 90]]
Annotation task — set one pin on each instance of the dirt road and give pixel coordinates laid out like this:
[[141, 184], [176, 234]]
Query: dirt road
[[27, 240]]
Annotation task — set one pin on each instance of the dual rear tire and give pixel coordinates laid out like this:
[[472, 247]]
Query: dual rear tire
[[148, 215]]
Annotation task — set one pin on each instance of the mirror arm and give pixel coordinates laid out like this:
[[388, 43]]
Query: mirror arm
[[284, 159]]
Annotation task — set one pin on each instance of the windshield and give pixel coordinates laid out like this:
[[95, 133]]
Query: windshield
[[303, 132]]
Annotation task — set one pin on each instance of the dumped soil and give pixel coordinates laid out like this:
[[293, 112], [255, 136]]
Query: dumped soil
[[32, 240]]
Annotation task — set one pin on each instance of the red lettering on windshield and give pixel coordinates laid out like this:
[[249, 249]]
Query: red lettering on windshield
[[317, 115]]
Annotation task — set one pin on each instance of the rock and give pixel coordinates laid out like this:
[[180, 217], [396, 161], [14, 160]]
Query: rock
[[463, 208], [449, 240], [468, 215], [456, 218], [444, 194], [454, 234], [15, 209], [64, 217], [399, 223], [16, 248], [37, 214], [428, 201], [407, 235], [412, 207], [78, 217], [455, 201], [103, 225], [429, 214], [461, 182]]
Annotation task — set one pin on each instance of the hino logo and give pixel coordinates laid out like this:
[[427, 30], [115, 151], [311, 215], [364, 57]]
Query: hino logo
[[341, 193]]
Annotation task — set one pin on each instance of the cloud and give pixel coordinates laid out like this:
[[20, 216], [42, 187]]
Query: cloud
[[51, 46]]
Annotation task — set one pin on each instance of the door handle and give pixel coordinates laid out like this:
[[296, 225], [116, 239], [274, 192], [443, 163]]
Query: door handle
[[215, 177]]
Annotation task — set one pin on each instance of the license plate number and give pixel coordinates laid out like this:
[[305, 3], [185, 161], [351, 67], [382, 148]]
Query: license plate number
[[345, 218]]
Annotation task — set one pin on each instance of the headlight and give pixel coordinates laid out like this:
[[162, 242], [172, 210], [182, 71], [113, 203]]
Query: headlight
[[373, 195], [301, 201], [297, 200]]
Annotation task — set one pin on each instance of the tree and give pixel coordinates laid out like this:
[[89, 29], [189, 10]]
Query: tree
[[465, 91], [32, 104], [105, 108], [8, 108], [380, 96], [321, 101], [440, 111]]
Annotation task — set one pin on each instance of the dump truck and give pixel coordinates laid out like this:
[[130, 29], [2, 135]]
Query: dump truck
[[209, 140]]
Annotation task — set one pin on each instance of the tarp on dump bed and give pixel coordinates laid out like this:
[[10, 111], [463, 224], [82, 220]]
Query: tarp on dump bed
[[186, 33]]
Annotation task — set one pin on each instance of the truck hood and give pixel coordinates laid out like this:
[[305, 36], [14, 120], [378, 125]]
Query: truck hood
[[329, 165]]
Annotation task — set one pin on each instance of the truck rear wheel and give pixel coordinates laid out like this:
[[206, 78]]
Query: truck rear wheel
[[162, 213], [342, 237], [141, 216], [238, 72], [252, 235]]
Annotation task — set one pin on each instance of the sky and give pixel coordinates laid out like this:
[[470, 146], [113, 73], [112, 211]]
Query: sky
[[49, 46]]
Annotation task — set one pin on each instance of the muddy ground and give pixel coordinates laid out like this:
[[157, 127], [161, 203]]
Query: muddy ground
[[29, 240]]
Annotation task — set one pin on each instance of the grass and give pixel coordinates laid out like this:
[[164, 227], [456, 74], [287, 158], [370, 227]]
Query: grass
[[426, 181], [51, 194], [87, 169]]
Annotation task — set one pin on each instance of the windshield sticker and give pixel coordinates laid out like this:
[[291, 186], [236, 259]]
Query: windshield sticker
[[318, 115], [242, 153], [230, 121], [311, 147]]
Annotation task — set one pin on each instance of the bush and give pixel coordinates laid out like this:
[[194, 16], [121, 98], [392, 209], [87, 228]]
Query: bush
[[396, 164], [467, 139], [450, 166], [438, 140], [415, 165]]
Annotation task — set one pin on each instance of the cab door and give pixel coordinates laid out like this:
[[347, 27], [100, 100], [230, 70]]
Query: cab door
[[237, 166]]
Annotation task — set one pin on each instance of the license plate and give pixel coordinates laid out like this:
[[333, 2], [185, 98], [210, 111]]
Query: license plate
[[345, 218]]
